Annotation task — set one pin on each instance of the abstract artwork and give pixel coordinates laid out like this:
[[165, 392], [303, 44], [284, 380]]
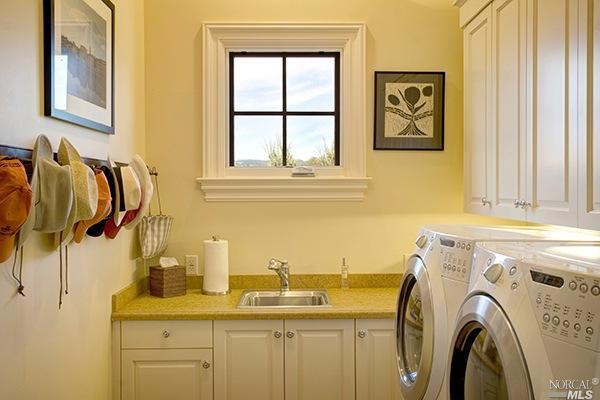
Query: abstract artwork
[[79, 62], [409, 111]]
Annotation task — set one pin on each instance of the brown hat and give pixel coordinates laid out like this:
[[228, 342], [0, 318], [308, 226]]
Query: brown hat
[[104, 207], [15, 203]]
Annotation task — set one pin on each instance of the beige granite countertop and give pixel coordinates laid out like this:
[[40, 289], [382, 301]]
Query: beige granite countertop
[[377, 302]]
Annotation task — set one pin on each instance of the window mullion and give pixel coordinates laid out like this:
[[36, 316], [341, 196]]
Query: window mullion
[[284, 103]]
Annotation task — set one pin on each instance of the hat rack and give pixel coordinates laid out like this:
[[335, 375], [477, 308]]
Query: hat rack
[[24, 155]]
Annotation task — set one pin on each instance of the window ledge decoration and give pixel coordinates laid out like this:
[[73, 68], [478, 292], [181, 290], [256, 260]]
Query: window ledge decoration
[[219, 181], [284, 189]]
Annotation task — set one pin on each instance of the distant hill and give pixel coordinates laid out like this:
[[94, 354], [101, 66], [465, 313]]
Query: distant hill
[[251, 163]]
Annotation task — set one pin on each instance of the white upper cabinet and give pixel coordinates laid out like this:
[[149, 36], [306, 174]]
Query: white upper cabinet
[[552, 139], [477, 111], [589, 122], [531, 136], [508, 133]]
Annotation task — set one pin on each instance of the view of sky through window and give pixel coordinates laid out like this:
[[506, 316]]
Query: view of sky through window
[[258, 87]]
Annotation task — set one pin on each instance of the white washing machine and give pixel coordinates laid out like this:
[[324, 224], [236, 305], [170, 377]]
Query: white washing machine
[[529, 327], [433, 287]]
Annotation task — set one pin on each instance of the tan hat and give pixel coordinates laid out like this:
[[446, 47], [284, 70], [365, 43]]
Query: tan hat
[[15, 203], [141, 170], [85, 189], [103, 208], [53, 190]]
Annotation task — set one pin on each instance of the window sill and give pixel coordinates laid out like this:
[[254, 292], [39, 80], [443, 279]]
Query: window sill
[[284, 188]]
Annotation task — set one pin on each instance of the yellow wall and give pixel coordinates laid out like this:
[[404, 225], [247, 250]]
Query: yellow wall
[[46, 353], [408, 188]]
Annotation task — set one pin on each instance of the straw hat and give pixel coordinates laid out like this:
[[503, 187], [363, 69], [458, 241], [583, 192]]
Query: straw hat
[[85, 189], [52, 192]]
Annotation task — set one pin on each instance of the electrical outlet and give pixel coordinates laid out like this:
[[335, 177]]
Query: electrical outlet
[[191, 265]]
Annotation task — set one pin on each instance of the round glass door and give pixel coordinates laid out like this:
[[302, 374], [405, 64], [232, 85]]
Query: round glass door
[[414, 327], [487, 362], [412, 338], [484, 373]]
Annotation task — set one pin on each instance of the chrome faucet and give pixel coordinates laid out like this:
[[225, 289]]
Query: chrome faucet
[[282, 269]]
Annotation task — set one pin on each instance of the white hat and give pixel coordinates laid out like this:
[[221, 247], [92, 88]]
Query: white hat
[[141, 170], [130, 193]]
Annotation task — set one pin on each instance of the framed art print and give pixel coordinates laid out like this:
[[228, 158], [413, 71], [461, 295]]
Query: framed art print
[[409, 111], [79, 63]]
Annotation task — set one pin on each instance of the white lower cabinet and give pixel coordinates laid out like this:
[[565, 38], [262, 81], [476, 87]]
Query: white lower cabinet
[[319, 360], [325, 359], [249, 360], [376, 371], [174, 374]]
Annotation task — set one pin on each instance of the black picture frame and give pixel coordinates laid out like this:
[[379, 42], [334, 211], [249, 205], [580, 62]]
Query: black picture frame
[[402, 100], [107, 99]]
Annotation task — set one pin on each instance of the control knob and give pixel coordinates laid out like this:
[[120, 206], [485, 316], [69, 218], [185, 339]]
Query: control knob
[[493, 272]]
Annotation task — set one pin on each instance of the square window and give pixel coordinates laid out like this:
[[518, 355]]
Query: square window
[[284, 109]]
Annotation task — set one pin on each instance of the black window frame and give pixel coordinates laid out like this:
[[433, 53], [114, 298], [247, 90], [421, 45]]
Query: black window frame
[[284, 113]]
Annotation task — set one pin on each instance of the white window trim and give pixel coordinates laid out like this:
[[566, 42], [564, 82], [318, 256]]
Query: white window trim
[[219, 181]]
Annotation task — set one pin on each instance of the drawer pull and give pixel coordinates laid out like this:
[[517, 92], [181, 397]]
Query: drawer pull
[[166, 334]]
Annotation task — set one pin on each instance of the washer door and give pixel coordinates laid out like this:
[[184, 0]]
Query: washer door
[[486, 359], [414, 330]]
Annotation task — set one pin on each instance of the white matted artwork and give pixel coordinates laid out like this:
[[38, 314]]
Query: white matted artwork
[[409, 111], [79, 62]]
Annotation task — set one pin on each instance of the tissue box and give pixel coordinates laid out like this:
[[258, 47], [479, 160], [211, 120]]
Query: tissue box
[[168, 282]]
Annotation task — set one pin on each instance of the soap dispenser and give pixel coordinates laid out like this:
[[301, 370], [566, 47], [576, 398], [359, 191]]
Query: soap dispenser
[[345, 284]]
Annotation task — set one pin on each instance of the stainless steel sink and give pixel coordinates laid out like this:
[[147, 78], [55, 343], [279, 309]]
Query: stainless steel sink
[[287, 299]]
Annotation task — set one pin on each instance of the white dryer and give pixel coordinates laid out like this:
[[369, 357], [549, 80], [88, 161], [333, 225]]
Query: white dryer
[[529, 327], [433, 287]]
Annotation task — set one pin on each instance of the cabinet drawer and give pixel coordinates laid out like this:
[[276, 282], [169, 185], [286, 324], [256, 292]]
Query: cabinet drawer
[[166, 334]]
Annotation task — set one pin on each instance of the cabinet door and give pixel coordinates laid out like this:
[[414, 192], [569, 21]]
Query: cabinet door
[[319, 360], [181, 374], [508, 134], [376, 370], [552, 111], [589, 132], [477, 111], [248, 360]]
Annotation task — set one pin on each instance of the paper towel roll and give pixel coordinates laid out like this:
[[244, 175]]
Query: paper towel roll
[[216, 267]]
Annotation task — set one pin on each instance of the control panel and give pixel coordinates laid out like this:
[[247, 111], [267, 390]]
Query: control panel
[[567, 303], [456, 257]]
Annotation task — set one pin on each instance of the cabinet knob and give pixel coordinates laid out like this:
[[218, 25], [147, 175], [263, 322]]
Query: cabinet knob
[[290, 334], [485, 201], [166, 333], [362, 333], [518, 203], [277, 334], [206, 365]]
